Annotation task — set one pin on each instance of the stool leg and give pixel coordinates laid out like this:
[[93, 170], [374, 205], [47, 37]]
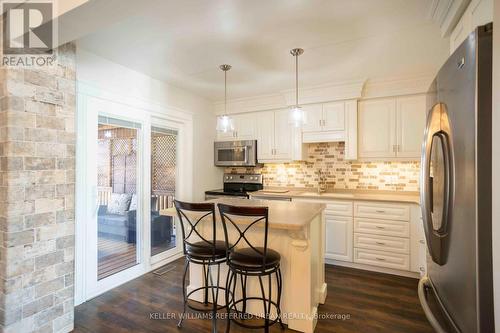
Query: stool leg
[[215, 292], [280, 286], [186, 266], [244, 293], [205, 278], [266, 313], [229, 280]]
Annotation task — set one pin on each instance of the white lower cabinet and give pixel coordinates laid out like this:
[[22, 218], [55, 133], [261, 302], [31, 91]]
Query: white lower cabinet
[[338, 237], [381, 236]]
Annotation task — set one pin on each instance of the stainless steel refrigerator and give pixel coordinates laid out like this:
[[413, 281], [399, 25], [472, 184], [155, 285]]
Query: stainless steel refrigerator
[[457, 292]]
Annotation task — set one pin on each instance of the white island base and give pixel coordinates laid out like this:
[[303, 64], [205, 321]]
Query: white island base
[[296, 231]]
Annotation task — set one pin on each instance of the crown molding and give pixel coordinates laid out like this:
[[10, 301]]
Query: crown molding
[[353, 90], [326, 93], [397, 86], [310, 95], [447, 13]]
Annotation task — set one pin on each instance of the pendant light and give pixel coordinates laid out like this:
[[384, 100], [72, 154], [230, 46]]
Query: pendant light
[[296, 115], [224, 122]]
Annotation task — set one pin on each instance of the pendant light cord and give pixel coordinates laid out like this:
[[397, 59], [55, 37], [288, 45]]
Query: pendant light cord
[[296, 80], [225, 93]]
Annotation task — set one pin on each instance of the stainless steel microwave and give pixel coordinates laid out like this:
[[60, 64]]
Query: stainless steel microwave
[[235, 153]]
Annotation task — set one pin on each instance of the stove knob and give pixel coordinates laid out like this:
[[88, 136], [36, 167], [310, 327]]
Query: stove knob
[[231, 177]]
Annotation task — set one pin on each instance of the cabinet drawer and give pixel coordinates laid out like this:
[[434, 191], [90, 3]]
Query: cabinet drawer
[[382, 211], [383, 259], [382, 227], [342, 208], [382, 243]]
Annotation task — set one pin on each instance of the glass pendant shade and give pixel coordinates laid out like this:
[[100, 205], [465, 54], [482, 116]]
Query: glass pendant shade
[[224, 124], [296, 117]]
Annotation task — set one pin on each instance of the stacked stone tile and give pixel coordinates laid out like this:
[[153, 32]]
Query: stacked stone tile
[[37, 177], [340, 174]]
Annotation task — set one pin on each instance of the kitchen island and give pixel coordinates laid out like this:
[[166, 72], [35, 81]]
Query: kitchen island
[[296, 231]]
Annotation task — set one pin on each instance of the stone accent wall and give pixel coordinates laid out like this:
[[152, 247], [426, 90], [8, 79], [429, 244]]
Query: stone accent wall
[[340, 174], [37, 177]]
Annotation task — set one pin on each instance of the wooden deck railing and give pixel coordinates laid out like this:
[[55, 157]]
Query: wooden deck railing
[[165, 199]]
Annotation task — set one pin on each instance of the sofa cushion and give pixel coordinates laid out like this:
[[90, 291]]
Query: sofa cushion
[[118, 203], [133, 202], [114, 220]]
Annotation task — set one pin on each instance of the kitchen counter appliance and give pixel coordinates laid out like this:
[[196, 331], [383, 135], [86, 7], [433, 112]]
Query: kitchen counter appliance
[[237, 186]]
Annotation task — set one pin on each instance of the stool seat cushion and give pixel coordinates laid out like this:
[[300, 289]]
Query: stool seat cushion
[[204, 250], [247, 258]]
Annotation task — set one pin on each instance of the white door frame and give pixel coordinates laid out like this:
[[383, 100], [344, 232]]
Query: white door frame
[[91, 102]]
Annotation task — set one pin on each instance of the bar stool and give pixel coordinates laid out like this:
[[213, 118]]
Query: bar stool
[[251, 261], [201, 250]]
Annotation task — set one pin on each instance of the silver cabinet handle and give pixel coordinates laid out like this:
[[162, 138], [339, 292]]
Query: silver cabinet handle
[[380, 243], [393, 148], [379, 227], [380, 211], [380, 259], [421, 241]]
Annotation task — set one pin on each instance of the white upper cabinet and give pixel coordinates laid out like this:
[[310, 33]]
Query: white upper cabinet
[[377, 128], [334, 116], [275, 141], [411, 114], [244, 128], [478, 12], [282, 136], [314, 118], [391, 128], [265, 136], [332, 122]]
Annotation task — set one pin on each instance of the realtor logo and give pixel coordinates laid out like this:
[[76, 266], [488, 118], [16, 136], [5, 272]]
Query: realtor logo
[[28, 28]]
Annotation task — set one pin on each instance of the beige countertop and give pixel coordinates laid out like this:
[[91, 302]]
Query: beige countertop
[[371, 195], [284, 215]]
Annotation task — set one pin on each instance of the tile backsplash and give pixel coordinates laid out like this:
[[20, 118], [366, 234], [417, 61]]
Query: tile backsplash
[[340, 174]]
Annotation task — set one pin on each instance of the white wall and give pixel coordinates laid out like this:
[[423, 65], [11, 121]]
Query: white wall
[[496, 160], [117, 79]]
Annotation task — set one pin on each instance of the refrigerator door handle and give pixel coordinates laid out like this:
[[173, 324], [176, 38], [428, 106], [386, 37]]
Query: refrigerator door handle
[[424, 285], [437, 128]]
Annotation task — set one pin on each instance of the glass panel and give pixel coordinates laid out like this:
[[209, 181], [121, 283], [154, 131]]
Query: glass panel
[[163, 179], [117, 194], [232, 154], [438, 174]]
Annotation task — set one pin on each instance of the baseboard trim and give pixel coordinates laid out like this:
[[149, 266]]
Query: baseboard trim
[[372, 268]]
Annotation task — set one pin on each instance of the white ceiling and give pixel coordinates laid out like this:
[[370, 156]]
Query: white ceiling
[[184, 42]]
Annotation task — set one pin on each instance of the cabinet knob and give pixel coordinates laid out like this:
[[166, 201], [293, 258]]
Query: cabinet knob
[[421, 241]]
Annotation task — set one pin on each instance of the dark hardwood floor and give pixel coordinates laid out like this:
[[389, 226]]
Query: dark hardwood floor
[[369, 302]]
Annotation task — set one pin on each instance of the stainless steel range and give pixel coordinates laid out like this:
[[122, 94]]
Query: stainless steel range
[[237, 186]]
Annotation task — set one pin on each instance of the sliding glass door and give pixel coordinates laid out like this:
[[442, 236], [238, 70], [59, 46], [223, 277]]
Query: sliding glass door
[[118, 223], [164, 176]]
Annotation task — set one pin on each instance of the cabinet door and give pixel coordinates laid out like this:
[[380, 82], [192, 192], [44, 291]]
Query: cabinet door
[[377, 128], [283, 138], [338, 234], [411, 112], [244, 126], [333, 116], [314, 116], [265, 135]]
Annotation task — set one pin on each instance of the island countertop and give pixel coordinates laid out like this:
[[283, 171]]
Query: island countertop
[[369, 195], [284, 215]]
